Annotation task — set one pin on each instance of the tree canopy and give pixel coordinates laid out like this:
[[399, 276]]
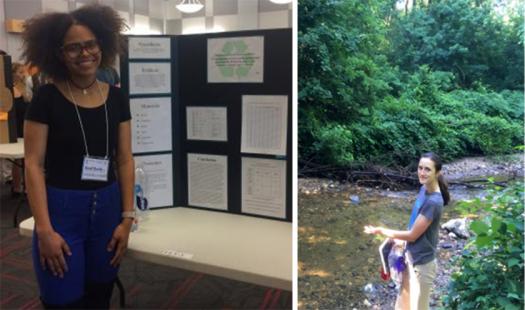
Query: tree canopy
[[382, 82]]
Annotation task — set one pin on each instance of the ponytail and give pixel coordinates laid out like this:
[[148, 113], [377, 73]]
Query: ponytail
[[443, 187]]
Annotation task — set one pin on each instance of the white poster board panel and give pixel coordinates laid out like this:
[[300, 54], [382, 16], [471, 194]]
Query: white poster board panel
[[236, 60], [208, 181], [149, 78], [206, 123], [151, 124], [159, 178], [149, 48], [264, 187], [264, 124]]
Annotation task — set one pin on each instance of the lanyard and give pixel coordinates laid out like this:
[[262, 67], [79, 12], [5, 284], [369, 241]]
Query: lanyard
[[82, 126]]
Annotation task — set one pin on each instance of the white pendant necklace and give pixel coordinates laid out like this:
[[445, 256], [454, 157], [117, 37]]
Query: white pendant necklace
[[84, 90]]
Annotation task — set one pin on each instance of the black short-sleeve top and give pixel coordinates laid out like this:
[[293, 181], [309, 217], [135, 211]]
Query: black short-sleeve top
[[65, 145]]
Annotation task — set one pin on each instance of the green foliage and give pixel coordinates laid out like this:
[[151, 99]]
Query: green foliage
[[424, 118], [494, 135], [335, 143], [490, 274], [487, 123], [405, 128], [381, 85], [464, 37], [340, 57], [425, 85], [506, 104]]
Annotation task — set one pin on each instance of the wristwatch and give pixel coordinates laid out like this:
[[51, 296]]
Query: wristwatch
[[128, 214]]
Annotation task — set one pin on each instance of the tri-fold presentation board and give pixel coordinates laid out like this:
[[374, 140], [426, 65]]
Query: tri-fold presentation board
[[212, 120]]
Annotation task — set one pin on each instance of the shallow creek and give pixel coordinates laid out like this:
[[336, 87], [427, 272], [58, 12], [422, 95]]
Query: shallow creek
[[336, 259]]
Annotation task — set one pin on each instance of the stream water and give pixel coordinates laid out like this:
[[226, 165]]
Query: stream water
[[336, 259]]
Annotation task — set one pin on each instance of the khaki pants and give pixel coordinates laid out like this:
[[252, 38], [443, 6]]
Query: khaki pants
[[415, 289]]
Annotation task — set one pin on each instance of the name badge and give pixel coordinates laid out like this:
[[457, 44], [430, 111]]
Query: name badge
[[95, 169]]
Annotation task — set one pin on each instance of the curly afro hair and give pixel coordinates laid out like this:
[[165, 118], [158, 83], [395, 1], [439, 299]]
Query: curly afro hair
[[44, 35]]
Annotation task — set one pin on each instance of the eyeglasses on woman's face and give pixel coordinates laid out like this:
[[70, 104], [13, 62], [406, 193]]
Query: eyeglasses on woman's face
[[74, 50]]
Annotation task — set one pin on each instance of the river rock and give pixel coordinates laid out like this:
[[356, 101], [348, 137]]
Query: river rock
[[458, 227], [354, 199], [369, 289], [447, 245]]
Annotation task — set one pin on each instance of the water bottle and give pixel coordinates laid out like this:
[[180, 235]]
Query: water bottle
[[141, 202]]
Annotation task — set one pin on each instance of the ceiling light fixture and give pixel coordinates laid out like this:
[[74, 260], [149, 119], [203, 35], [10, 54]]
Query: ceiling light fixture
[[189, 6], [281, 1]]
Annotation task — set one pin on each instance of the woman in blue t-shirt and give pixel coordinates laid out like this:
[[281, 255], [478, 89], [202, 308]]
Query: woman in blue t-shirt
[[421, 237], [79, 165]]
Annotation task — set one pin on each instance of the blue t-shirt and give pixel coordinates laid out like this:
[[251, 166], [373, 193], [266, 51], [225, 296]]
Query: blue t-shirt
[[429, 205], [417, 205]]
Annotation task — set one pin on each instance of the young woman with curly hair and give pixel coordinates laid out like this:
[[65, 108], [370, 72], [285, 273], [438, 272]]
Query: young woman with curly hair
[[421, 237], [79, 165]]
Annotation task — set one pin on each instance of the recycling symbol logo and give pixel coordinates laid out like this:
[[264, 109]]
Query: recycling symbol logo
[[235, 60]]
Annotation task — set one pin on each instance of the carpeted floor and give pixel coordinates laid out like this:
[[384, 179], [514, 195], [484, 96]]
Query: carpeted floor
[[147, 286]]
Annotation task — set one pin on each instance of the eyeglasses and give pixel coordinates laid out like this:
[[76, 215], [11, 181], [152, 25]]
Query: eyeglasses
[[73, 50]]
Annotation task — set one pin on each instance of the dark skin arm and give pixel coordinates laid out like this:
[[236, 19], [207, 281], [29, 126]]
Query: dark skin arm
[[51, 245], [125, 168]]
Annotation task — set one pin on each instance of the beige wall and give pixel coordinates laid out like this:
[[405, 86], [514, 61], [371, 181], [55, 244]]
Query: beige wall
[[157, 16]]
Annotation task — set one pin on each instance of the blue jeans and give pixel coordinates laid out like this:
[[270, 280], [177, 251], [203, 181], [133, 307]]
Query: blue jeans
[[86, 220]]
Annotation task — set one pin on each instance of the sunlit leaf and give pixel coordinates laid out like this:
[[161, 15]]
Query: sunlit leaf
[[482, 241], [512, 262], [479, 227]]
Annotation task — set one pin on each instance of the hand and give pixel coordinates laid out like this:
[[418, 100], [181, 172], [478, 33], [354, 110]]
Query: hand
[[373, 230], [52, 248], [400, 243], [120, 241]]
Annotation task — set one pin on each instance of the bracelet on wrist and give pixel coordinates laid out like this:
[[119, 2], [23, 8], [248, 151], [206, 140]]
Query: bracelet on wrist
[[128, 214]]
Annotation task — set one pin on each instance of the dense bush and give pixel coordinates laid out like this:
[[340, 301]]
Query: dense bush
[[335, 143], [506, 104], [465, 37], [339, 66], [490, 274], [379, 84], [397, 130], [405, 128], [486, 122]]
